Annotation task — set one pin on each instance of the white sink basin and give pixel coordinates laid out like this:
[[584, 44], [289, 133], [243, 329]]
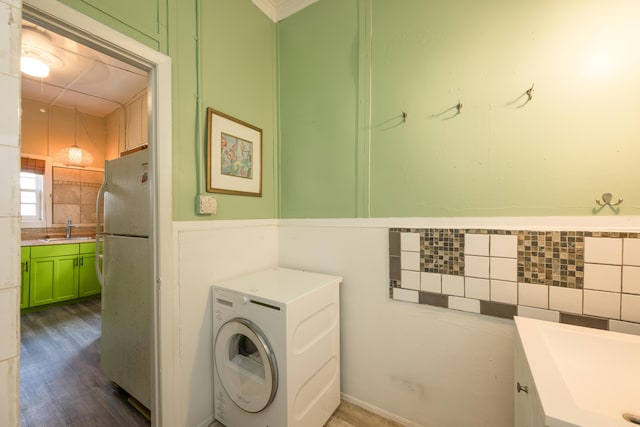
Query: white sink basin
[[585, 377]]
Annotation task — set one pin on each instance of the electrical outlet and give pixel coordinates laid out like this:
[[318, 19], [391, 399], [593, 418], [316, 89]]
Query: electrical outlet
[[208, 204]]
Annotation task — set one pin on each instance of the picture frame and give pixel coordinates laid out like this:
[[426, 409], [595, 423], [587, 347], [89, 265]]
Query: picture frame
[[234, 155]]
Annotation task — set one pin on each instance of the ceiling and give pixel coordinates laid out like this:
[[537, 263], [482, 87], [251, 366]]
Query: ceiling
[[277, 10], [80, 77], [93, 82]]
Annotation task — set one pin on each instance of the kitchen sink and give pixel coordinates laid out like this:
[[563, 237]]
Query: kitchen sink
[[70, 240]]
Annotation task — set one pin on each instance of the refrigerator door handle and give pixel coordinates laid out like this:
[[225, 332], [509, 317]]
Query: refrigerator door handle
[[99, 233]]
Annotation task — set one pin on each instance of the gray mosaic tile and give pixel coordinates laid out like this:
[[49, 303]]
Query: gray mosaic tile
[[430, 298], [589, 322], [496, 309], [395, 271], [394, 243], [442, 251]]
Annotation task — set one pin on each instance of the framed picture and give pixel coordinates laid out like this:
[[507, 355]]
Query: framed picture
[[234, 160]]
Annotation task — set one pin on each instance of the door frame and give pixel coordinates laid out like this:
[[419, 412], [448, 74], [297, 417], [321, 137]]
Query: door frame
[[112, 42]]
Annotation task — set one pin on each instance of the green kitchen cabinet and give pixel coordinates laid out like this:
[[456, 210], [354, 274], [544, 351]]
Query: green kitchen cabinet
[[59, 273], [25, 258], [54, 274], [88, 283]]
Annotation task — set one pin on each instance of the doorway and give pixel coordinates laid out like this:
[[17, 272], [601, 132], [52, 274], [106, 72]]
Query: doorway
[[77, 27]]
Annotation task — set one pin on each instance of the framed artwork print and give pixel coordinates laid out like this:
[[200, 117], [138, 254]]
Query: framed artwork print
[[234, 155]]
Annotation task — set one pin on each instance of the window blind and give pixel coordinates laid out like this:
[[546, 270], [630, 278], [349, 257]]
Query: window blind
[[32, 165]]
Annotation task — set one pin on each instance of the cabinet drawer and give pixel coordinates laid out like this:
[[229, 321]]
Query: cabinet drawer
[[54, 250], [89, 247]]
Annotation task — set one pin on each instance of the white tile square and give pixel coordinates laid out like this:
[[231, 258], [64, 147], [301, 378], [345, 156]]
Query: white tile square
[[630, 279], [10, 178], [624, 327], [603, 277], [405, 295], [476, 266], [431, 282], [504, 269], [10, 111], [9, 392], [603, 304], [538, 313], [533, 295], [603, 250], [9, 311], [453, 285], [410, 242], [631, 252], [410, 279], [476, 288], [9, 253], [464, 304], [630, 308], [504, 246], [476, 244], [410, 260], [506, 292], [568, 300]]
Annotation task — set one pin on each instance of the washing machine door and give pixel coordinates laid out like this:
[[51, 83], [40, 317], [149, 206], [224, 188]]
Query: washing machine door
[[246, 365]]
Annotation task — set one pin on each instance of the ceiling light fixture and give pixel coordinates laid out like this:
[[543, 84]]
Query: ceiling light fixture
[[36, 59], [33, 66]]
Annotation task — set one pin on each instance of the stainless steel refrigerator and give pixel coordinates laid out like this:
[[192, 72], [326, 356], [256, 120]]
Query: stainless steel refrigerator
[[125, 273]]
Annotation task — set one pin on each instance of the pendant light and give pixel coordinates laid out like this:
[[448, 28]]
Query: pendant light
[[74, 155]]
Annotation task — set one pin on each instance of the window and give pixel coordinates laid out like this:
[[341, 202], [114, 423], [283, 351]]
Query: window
[[31, 196], [35, 191]]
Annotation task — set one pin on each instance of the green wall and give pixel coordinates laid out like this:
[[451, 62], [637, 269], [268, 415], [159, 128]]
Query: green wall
[[575, 140], [146, 22], [237, 74], [235, 61], [318, 82]]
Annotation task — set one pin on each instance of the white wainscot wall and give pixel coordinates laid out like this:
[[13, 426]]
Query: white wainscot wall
[[207, 252], [418, 364]]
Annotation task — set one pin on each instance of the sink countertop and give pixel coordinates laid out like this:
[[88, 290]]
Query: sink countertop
[[57, 241], [585, 377]]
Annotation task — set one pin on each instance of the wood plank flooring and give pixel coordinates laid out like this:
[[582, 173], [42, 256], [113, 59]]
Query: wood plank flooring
[[350, 415], [61, 384]]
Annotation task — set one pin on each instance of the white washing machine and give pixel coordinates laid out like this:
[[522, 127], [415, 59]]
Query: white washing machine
[[276, 349]]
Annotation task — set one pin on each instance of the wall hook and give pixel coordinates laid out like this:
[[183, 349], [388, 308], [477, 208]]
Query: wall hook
[[404, 117], [529, 93], [606, 200], [459, 106]]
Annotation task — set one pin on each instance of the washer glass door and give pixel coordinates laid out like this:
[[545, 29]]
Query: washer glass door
[[246, 365]]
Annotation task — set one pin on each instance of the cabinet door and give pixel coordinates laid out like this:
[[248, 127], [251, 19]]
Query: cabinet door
[[528, 409], [65, 285], [53, 279], [24, 287], [88, 283]]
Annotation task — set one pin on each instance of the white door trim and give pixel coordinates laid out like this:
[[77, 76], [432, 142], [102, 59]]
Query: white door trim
[[164, 360]]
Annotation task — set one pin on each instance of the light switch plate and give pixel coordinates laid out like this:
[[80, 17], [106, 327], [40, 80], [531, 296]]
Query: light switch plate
[[208, 204]]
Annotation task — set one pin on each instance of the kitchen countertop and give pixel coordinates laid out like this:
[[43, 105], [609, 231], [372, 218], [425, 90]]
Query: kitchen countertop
[[58, 241]]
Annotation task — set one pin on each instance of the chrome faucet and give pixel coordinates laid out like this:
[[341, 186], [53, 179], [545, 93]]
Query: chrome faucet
[[68, 228]]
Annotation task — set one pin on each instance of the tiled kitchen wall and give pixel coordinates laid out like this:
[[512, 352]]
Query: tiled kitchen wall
[[74, 195], [585, 278]]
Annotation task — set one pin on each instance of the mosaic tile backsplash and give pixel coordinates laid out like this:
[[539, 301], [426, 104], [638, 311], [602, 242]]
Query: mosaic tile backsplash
[[579, 277]]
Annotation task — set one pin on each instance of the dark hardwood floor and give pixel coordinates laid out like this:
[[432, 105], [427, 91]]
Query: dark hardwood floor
[[61, 383]]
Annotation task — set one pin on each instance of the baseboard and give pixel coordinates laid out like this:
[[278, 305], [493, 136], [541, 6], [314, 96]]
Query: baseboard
[[378, 411], [209, 421]]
